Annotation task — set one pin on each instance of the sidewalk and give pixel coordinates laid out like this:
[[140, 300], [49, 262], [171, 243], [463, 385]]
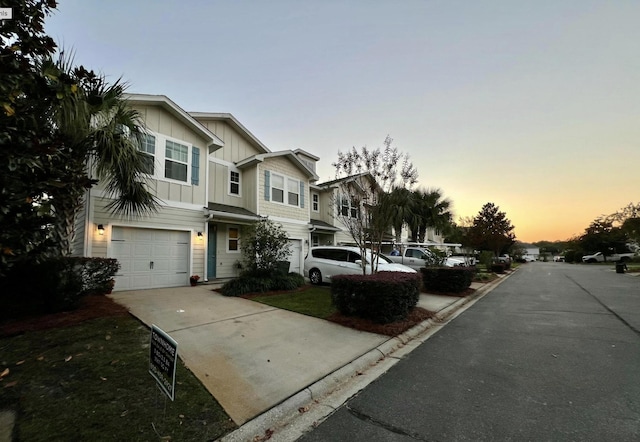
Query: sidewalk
[[262, 363]]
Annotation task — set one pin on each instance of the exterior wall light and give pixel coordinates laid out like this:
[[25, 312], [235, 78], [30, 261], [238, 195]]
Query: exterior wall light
[[100, 229]]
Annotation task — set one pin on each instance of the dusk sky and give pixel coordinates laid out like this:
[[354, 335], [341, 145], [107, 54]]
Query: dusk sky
[[531, 105]]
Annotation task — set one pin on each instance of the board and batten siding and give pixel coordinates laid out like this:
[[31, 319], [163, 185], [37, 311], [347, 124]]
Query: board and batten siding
[[219, 186], [159, 121], [236, 146], [167, 218], [283, 166]]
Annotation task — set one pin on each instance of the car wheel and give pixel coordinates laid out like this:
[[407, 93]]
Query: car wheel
[[315, 276]]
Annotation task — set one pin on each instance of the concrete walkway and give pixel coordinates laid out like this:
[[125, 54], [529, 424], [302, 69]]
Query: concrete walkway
[[248, 355]]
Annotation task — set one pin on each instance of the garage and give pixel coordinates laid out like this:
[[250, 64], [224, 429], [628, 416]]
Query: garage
[[150, 258]]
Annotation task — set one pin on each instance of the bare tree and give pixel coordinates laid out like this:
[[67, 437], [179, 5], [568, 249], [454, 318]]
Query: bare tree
[[364, 180]]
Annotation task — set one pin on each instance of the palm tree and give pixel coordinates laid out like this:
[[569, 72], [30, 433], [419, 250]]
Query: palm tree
[[96, 132], [399, 209], [431, 211]]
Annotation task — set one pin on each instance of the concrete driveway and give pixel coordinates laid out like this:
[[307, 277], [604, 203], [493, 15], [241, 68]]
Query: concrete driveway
[[248, 355]]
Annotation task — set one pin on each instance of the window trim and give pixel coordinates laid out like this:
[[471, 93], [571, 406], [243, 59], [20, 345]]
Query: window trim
[[231, 182], [272, 186], [315, 202], [175, 160], [160, 157]]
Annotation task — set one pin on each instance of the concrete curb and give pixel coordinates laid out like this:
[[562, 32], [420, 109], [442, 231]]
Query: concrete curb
[[306, 409]]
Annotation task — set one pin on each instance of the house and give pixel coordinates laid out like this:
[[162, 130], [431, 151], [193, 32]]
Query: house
[[164, 249], [212, 176]]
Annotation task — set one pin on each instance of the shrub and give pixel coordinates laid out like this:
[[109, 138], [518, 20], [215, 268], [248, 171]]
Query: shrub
[[260, 282], [97, 274], [498, 267], [56, 284], [382, 297], [447, 279], [486, 259]]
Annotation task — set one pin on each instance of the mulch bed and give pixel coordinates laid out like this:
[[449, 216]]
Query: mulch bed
[[91, 307], [415, 317]]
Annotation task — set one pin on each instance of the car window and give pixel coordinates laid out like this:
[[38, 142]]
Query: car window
[[382, 258], [353, 256], [332, 254]]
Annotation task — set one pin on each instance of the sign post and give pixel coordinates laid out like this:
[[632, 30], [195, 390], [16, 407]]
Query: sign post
[[163, 355]]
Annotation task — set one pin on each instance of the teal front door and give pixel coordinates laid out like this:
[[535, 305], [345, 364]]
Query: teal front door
[[211, 253]]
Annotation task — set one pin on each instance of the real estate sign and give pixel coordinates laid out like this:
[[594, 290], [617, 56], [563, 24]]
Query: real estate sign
[[163, 355]]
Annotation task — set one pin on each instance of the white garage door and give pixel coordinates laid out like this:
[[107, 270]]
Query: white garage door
[[150, 258], [295, 246]]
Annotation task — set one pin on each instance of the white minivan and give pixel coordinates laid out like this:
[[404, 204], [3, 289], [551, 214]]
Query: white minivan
[[322, 263]]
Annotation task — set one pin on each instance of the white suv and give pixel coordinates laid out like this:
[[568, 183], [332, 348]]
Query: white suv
[[322, 263]]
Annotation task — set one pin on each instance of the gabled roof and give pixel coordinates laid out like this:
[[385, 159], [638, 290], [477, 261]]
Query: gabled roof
[[348, 179], [255, 159], [234, 123], [213, 142]]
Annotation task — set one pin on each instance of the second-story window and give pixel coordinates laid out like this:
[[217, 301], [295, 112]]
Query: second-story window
[[234, 182], [148, 146], [176, 161], [277, 188], [293, 194], [315, 202]]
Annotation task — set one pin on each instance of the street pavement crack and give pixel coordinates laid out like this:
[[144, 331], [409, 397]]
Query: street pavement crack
[[620, 318], [366, 418]]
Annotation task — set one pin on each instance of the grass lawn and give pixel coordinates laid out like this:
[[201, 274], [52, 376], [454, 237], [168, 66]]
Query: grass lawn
[[316, 301], [90, 381], [312, 301]]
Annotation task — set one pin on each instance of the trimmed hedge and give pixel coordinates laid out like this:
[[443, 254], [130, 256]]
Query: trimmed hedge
[[498, 267], [260, 282], [447, 279], [383, 297], [56, 284]]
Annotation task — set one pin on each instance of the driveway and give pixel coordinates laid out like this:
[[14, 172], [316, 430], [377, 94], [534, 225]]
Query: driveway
[[248, 355]]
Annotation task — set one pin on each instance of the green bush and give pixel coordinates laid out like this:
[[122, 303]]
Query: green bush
[[56, 284], [447, 279], [260, 282], [498, 267], [570, 256], [97, 274], [486, 259], [382, 297]]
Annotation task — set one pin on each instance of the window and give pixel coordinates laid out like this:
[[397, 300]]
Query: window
[[344, 206], [148, 147], [277, 188], [349, 207], [233, 239], [176, 161], [234, 182], [315, 202], [293, 195], [354, 208]]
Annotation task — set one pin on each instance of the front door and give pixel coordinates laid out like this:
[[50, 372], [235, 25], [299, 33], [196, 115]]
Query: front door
[[212, 245]]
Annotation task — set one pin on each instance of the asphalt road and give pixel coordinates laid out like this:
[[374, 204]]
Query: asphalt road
[[553, 353]]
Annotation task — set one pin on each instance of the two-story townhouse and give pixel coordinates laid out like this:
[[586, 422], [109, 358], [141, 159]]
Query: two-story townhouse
[[247, 181], [165, 248], [212, 176]]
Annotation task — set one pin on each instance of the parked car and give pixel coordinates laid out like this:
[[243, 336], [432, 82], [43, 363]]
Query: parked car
[[558, 258], [323, 263], [599, 257], [418, 257]]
